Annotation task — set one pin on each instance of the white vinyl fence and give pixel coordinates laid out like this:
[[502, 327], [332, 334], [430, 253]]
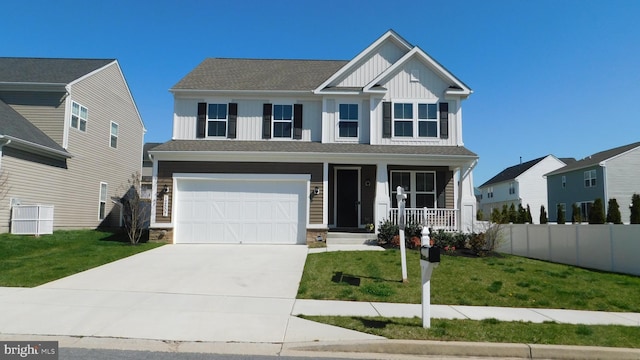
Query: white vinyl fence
[[614, 248], [32, 219]]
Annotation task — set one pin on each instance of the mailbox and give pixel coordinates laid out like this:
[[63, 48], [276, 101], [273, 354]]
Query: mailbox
[[430, 254]]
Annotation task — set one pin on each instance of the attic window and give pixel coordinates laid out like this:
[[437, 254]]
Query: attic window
[[79, 115]]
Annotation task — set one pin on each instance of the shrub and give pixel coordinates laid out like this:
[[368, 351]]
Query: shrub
[[479, 215], [543, 215], [413, 229], [613, 212], [444, 239], [521, 217], [529, 218], [386, 231], [576, 215], [496, 216], [478, 243], [561, 218], [512, 214], [596, 212], [635, 209]]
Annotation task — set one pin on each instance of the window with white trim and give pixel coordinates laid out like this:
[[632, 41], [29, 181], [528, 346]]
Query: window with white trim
[[348, 121], [490, 193], [585, 207], [428, 120], [282, 121], [590, 178], [217, 120], [420, 187], [512, 188], [102, 203], [564, 181], [79, 116], [113, 142], [403, 119]]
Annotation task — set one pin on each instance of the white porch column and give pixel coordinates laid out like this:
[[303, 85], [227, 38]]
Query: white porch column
[[466, 198], [325, 194], [382, 200]]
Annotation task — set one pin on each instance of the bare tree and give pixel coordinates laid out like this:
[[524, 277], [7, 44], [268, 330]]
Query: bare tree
[[136, 210]]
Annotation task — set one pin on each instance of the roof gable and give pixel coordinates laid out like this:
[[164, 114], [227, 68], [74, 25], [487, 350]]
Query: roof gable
[[258, 74], [511, 173], [49, 71], [596, 159]]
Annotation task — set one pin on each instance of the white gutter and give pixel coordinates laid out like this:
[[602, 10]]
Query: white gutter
[[38, 147], [605, 202], [3, 142]]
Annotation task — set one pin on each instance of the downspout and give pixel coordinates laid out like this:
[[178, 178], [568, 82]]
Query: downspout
[[3, 141], [605, 191]]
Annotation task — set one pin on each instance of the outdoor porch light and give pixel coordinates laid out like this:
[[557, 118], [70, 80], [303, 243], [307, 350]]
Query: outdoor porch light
[[165, 189], [316, 190]]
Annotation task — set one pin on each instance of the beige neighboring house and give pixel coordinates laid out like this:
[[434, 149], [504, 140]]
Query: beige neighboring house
[[70, 136], [283, 151]]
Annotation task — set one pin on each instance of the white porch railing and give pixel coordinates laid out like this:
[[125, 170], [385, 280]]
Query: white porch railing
[[445, 219]]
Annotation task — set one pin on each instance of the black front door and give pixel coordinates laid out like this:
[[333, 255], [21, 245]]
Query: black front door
[[347, 204]]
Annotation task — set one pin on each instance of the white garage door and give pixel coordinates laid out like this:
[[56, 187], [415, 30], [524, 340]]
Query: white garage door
[[263, 210]]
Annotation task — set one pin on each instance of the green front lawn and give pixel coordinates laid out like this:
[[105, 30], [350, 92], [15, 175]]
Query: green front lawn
[[490, 330], [506, 280], [29, 261]]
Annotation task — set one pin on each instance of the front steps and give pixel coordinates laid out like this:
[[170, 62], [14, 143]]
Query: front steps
[[349, 238]]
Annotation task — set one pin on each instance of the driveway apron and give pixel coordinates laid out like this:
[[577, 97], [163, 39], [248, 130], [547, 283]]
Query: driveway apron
[[176, 292]]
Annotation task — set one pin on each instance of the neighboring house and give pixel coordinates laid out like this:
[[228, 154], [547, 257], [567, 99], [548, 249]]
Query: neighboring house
[[523, 184], [146, 179], [70, 136], [609, 174], [281, 151]]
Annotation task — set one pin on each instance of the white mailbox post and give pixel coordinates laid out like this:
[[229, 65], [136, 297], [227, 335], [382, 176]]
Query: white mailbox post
[[401, 197], [429, 260]]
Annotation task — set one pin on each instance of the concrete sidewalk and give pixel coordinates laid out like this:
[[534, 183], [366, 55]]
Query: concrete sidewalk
[[390, 310]]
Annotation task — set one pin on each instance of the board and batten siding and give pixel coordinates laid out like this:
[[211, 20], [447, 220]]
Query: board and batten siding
[[621, 182], [374, 65], [166, 169], [43, 109]]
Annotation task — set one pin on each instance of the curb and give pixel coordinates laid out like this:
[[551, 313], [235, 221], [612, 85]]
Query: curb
[[454, 348]]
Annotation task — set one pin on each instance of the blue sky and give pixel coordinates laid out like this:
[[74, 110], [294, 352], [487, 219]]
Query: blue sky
[[557, 77]]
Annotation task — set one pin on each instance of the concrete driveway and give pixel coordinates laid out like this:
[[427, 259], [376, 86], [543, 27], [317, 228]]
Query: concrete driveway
[[209, 293]]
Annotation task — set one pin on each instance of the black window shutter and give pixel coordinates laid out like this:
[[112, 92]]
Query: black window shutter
[[266, 121], [202, 120], [297, 121], [444, 120], [232, 120], [441, 188], [386, 119]]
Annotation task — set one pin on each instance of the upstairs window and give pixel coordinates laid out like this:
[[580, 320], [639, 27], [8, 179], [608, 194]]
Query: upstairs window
[[403, 119], [590, 178], [79, 116], [428, 120], [217, 120], [348, 124], [114, 135], [512, 188], [282, 121], [490, 193]]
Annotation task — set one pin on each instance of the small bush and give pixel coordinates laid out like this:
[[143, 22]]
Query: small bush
[[635, 209], [543, 215], [386, 231], [613, 212], [561, 218], [596, 212], [478, 243], [576, 214]]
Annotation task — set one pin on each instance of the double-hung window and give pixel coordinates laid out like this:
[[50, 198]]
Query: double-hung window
[[512, 188], [79, 116], [403, 119], [113, 142], [282, 121], [590, 178], [420, 187], [427, 120], [348, 124], [217, 120], [102, 202]]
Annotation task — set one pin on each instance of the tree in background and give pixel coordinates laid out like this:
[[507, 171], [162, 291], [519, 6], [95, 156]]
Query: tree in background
[[529, 218], [479, 215], [635, 209], [522, 215], [505, 214], [543, 215], [613, 212], [576, 215], [561, 218], [596, 212], [496, 216], [513, 214]]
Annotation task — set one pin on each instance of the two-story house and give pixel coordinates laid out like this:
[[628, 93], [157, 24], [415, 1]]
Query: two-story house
[[70, 136], [523, 184], [609, 174], [280, 151]]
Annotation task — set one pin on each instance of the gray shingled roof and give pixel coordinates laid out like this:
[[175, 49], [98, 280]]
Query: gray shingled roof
[[14, 125], [259, 74], [596, 158], [309, 147], [512, 172], [40, 70]]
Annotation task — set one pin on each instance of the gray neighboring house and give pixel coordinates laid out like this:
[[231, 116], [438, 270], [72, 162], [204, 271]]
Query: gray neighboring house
[[70, 136], [606, 175], [282, 151]]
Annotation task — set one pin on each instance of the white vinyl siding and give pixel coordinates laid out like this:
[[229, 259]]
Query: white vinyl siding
[[43, 109]]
